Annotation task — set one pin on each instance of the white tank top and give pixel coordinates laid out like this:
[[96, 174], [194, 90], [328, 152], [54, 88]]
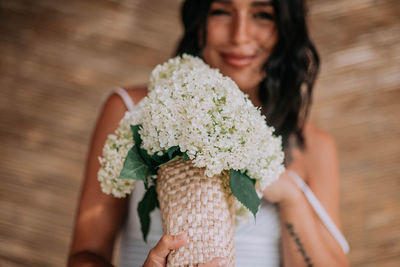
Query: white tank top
[[256, 243]]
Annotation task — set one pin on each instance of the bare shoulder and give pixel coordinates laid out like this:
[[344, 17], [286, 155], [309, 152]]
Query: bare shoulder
[[321, 153], [319, 143], [137, 93], [114, 104], [114, 108]]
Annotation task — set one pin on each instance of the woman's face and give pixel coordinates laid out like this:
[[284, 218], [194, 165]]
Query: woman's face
[[240, 37]]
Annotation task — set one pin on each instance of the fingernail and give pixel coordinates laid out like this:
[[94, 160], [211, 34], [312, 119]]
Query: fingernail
[[180, 236], [222, 262]]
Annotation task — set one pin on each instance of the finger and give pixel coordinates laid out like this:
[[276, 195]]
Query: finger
[[167, 243], [216, 262]]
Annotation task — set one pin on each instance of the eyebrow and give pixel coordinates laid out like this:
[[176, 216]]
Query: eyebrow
[[254, 3]]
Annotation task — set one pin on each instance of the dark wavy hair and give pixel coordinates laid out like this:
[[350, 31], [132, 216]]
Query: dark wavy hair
[[291, 69]]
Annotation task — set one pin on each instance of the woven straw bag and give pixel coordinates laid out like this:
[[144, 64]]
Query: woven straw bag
[[201, 206]]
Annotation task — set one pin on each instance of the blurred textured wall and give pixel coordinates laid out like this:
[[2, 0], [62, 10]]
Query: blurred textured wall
[[58, 60]]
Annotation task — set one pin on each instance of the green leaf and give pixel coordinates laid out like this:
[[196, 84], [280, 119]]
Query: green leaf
[[134, 166], [172, 150], [146, 185], [168, 161], [242, 187], [160, 159], [185, 157], [145, 206], [136, 136], [149, 161]]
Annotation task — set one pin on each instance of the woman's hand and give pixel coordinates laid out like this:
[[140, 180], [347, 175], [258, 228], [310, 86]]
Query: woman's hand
[[158, 255], [282, 190]]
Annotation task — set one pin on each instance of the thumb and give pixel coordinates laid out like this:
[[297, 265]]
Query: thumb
[[169, 242]]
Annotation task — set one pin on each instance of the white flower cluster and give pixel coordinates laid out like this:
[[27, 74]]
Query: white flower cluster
[[195, 107], [115, 150]]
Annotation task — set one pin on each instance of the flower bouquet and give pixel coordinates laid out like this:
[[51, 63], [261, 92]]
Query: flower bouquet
[[199, 145]]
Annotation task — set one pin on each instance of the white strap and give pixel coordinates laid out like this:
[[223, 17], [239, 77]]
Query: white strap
[[126, 98], [321, 212]]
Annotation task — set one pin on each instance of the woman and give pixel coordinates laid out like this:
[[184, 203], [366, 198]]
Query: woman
[[263, 45]]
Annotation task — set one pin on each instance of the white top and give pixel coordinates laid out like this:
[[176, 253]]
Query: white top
[[256, 244]]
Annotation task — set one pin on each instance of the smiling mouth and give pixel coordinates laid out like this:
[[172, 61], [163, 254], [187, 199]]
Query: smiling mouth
[[237, 60]]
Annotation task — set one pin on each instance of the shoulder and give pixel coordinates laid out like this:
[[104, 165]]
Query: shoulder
[[320, 153], [318, 142], [318, 156], [114, 107], [137, 93], [114, 103]]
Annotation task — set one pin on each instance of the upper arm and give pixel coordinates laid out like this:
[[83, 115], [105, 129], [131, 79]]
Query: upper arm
[[100, 216], [323, 171]]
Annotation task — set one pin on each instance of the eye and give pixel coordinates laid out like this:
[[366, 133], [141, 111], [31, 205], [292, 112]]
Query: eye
[[218, 12], [263, 15]]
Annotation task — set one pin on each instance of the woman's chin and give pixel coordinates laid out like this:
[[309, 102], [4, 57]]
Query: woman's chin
[[246, 85], [244, 77]]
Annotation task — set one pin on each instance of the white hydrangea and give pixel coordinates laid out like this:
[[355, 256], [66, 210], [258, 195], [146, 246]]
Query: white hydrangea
[[115, 150], [195, 107]]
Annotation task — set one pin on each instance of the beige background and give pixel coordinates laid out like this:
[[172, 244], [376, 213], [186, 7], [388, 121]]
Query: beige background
[[60, 58]]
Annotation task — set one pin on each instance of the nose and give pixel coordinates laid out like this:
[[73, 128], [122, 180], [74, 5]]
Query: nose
[[240, 29]]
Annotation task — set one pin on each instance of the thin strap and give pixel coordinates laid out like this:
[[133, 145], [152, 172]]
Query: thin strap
[[126, 98], [320, 210]]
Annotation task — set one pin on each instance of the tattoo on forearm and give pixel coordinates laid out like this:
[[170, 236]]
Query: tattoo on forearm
[[296, 238]]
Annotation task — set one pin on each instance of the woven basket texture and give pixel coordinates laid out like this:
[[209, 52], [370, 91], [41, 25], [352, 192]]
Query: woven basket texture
[[201, 206]]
